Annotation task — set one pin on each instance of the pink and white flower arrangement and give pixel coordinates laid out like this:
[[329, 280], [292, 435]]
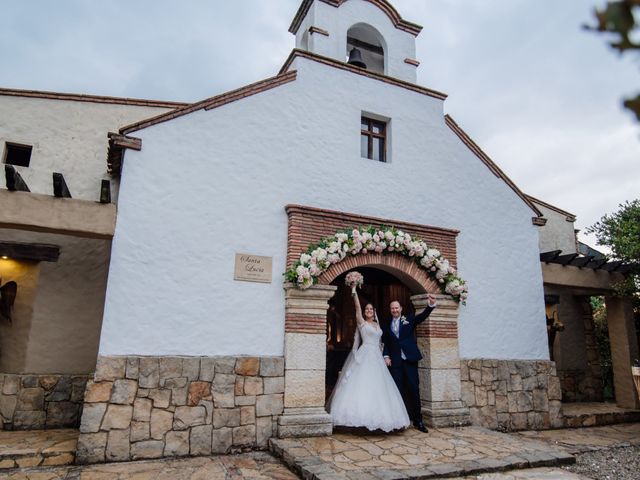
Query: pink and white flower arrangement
[[318, 258]]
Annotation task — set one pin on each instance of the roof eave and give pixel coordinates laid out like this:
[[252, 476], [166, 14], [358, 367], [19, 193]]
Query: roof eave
[[538, 220]]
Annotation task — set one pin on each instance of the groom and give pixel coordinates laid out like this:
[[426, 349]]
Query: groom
[[401, 354]]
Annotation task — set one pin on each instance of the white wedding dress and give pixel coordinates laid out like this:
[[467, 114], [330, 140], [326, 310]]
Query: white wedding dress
[[365, 394]]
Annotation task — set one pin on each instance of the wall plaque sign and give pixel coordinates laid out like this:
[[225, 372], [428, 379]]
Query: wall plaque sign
[[252, 268]]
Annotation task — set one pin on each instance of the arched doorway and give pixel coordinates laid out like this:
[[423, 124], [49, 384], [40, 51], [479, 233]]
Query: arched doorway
[[380, 289]]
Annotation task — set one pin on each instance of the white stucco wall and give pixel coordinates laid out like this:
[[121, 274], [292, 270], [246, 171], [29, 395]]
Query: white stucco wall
[[213, 183], [68, 137], [397, 44], [557, 233]]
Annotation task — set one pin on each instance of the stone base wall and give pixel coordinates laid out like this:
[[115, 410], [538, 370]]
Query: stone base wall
[[152, 407], [580, 386], [35, 402], [512, 395]]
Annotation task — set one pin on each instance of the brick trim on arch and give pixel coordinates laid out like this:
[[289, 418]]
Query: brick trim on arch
[[391, 261], [308, 225]]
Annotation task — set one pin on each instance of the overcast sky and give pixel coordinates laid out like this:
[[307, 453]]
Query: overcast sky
[[541, 96]]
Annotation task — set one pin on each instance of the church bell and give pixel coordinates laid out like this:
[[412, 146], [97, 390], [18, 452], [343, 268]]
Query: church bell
[[355, 58]]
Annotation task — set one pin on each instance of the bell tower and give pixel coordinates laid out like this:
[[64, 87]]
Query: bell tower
[[369, 34]]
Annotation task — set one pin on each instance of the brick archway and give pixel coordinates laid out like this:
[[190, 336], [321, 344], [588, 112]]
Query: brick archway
[[306, 322], [407, 271]]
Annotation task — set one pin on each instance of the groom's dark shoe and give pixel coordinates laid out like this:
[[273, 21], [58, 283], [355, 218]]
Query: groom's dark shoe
[[420, 426]]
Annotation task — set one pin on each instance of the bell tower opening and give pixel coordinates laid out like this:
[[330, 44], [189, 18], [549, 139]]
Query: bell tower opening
[[368, 41]]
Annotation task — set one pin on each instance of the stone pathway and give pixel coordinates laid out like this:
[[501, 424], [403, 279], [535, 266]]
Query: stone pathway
[[471, 453], [412, 454], [597, 413], [249, 466], [34, 448], [529, 474], [578, 440]]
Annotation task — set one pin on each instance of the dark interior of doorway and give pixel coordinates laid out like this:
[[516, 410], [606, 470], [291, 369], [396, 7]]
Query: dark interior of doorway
[[380, 288]]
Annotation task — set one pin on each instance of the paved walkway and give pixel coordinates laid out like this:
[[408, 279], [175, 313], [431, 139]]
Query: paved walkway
[[412, 454], [34, 448], [470, 453], [579, 440], [529, 474], [594, 414], [250, 466]]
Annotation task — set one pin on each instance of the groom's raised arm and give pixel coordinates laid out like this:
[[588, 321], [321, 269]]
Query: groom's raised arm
[[418, 319], [421, 317]]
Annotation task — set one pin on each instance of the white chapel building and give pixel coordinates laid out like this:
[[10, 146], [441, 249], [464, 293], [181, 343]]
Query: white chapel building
[[205, 346]]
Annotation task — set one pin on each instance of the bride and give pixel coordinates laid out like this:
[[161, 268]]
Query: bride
[[365, 394]]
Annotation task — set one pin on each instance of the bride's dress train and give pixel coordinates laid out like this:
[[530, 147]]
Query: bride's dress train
[[365, 394]]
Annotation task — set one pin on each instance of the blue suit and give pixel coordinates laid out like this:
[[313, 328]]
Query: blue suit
[[405, 371]]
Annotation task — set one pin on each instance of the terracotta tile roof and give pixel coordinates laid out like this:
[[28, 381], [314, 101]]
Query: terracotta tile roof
[[490, 164], [77, 97], [214, 102], [570, 217], [383, 5], [332, 62]]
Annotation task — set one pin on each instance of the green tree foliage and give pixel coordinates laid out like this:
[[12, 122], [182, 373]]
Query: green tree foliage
[[618, 19], [620, 231]]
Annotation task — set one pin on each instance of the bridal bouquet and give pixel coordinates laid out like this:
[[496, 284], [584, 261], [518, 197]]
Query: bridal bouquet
[[354, 279]]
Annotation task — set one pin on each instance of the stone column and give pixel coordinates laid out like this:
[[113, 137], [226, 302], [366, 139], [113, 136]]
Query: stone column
[[624, 349], [305, 350], [439, 370]]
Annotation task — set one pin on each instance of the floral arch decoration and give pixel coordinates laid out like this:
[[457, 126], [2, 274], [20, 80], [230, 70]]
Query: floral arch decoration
[[384, 240]]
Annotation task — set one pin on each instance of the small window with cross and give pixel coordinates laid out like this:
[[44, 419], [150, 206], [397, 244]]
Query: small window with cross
[[373, 139]]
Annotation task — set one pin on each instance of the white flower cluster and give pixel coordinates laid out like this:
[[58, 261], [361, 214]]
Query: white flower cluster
[[362, 241]]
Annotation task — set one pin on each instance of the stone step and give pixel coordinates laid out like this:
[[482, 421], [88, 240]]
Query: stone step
[[34, 448], [410, 454], [596, 414]]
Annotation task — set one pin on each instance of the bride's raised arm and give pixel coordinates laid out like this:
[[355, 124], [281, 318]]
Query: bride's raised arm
[[356, 301]]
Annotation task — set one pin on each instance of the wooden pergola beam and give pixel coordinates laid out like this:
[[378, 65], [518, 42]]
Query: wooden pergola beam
[[60, 189], [550, 255], [14, 180], [565, 259], [123, 141], [581, 261], [37, 252]]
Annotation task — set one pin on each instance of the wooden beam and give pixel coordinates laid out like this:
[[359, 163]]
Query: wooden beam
[[36, 252], [549, 256], [581, 261], [585, 280], [118, 143], [105, 191], [610, 266], [365, 46], [60, 189], [595, 264], [565, 259], [123, 141], [15, 183], [625, 269]]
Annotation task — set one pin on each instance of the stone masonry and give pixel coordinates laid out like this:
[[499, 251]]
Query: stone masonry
[[151, 407], [35, 402], [584, 385], [512, 394]]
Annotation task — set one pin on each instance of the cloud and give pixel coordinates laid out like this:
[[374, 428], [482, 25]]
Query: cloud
[[540, 95]]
